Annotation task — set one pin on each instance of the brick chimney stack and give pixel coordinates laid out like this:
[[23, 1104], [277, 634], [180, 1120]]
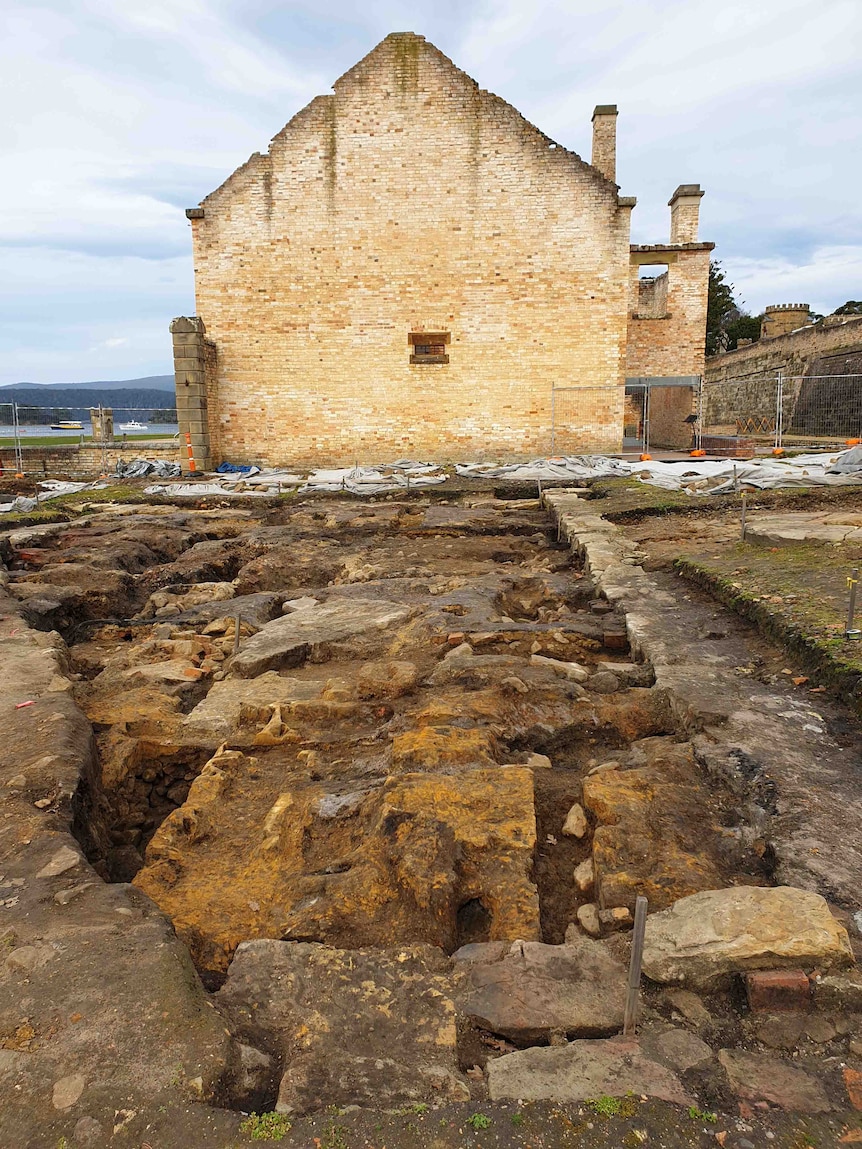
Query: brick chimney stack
[[605, 140], [684, 207]]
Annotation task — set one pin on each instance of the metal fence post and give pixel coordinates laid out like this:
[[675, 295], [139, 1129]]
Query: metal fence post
[[779, 410], [646, 431], [630, 1017], [553, 416], [16, 430], [698, 427]]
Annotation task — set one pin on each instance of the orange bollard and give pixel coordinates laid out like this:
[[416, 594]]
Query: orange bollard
[[192, 464]]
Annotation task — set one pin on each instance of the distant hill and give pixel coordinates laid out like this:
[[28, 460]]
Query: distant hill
[[46, 403], [147, 382]]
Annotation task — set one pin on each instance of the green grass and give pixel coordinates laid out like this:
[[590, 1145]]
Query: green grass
[[479, 1121], [73, 440], [115, 493], [700, 1115], [606, 1106], [266, 1126]]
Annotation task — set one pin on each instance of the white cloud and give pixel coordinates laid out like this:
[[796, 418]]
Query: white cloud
[[826, 279], [124, 113]]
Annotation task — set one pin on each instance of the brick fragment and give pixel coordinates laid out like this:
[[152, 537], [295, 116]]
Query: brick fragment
[[778, 989]]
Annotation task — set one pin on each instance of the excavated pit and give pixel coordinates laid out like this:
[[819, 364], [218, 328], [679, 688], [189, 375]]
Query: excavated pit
[[421, 693]]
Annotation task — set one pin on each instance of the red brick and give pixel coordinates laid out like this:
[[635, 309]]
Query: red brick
[[778, 989]]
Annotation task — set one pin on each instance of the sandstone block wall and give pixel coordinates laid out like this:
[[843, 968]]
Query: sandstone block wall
[[84, 462], [741, 385], [409, 201], [822, 348]]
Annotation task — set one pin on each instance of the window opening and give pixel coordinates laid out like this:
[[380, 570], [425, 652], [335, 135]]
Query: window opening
[[429, 346]]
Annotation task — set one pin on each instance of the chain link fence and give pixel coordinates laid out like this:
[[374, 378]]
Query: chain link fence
[[24, 426], [778, 411]]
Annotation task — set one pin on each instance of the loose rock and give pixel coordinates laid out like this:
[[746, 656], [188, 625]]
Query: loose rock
[[604, 683], [762, 1077], [717, 932], [528, 990], [576, 825], [588, 919], [583, 876], [67, 1091], [582, 1070], [64, 860]]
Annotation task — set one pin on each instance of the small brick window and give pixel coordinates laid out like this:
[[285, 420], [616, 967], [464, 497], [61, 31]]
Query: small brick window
[[429, 346]]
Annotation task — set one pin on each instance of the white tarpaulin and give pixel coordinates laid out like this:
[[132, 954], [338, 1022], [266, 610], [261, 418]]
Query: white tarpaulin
[[694, 476], [558, 468], [49, 489], [400, 476]]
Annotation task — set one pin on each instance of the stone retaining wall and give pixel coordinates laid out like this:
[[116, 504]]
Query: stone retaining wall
[[85, 462]]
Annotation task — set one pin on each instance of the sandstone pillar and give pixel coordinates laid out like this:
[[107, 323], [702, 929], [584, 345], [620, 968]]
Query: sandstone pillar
[[188, 339]]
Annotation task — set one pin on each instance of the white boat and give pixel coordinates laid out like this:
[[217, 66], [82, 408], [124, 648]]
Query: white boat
[[133, 425]]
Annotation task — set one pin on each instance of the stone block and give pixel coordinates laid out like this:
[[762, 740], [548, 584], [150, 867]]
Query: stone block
[[382, 1029], [529, 990], [709, 935]]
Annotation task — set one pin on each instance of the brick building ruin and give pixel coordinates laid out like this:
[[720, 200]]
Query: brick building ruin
[[413, 269]]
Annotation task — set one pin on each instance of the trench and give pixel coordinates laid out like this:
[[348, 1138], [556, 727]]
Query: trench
[[311, 798]]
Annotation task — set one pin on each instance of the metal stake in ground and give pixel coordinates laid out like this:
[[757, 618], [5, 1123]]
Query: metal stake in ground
[[631, 1015], [849, 630], [742, 522]]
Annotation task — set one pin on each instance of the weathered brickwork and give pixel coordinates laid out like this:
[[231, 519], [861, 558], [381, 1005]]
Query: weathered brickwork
[[412, 201], [667, 326]]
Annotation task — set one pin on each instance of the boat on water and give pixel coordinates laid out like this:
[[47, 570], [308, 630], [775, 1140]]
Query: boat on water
[[133, 425], [68, 425]]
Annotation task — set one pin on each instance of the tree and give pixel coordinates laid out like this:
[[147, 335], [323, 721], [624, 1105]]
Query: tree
[[726, 320], [720, 304], [851, 307], [743, 327]]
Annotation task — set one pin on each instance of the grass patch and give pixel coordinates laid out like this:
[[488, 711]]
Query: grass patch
[[7, 441], [114, 493], [606, 1106], [479, 1121], [797, 595], [266, 1126]]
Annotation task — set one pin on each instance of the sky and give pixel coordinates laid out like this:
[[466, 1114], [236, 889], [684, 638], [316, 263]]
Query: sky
[[118, 115]]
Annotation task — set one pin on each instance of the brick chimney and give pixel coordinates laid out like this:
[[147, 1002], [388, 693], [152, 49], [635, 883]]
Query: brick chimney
[[605, 140], [684, 207]]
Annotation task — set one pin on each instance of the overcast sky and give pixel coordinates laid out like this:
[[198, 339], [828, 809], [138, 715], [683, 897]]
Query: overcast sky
[[118, 114]]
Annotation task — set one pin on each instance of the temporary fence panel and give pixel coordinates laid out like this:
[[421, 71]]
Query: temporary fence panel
[[745, 408], [27, 428], [821, 410], [636, 416], [781, 411]]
